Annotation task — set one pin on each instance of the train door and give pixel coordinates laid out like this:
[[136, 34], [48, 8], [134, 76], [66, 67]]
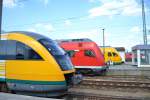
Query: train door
[[22, 62]]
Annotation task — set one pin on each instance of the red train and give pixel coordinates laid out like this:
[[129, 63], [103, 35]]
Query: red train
[[128, 56], [85, 55]]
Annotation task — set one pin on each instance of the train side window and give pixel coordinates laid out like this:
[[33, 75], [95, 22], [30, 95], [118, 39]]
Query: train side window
[[71, 53], [109, 54], [25, 52], [12, 50], [115, 54], [2, 49], [89, 53]]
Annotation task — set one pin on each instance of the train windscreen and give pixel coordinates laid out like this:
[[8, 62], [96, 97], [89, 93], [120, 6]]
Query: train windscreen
[[58, 53]]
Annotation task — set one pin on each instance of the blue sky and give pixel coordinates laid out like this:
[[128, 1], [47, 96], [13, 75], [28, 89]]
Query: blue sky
[[65, 19]]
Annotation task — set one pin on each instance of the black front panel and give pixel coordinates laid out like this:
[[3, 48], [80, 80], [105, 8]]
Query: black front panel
[[69, 79]]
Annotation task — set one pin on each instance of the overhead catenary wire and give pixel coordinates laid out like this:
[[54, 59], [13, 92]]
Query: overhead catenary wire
[[57, 21], [82, 19]]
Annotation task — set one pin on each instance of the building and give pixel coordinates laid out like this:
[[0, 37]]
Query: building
[[141, 55]]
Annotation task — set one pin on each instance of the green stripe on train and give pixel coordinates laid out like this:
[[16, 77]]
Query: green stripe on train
[[36, 82], [2, 80]]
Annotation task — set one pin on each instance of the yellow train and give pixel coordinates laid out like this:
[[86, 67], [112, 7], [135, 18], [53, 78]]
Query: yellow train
[[33, 64], [111, 55]]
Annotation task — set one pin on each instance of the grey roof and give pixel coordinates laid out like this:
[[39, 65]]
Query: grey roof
[[141, 47], [32, 34]]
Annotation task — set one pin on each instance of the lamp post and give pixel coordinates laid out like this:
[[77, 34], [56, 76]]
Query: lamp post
[[1, 6], [103, 42], [144, 24]]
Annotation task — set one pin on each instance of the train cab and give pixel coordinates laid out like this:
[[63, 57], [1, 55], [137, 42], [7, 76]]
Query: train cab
[[85, 55], [33, 64], [111, 55]]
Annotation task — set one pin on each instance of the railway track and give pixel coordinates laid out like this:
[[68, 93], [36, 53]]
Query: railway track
[[111, 88], [119, 77], [89, 96], [115, 82]]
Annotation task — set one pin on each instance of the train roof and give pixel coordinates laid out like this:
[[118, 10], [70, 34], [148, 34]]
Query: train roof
[[116, 48], [74, 40], [120, 48], [32, 34], [105, 47], [78, 45]]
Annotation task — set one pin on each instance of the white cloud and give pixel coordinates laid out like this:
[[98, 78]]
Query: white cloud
[[86, 34], [68, 23], [94, 34], [148, 27], [135, 29], [148, 34], [41, 28], [133, 8], [32, 30], [111, 38], [116, 7], [45, 2], [12, 3], [9, 3], [114, 39], [45, 27], [91, 1]]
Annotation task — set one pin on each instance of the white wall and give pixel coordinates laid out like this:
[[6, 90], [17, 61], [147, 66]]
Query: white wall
[[122, 54]]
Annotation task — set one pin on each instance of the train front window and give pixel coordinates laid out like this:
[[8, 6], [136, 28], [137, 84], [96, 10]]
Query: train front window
[[115, 54], [89, 53], [109, 54], [52, 47], [58, 53]]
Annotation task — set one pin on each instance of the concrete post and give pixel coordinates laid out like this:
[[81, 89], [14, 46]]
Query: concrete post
[[138, 58], [133, 58]]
